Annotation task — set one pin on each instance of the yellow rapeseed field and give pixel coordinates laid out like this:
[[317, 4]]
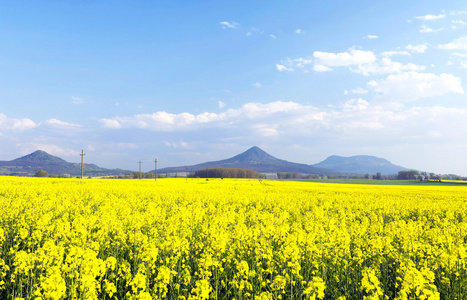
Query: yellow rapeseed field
[[230, 239]]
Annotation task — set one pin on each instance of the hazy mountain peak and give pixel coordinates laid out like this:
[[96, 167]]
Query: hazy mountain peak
[[360, 164], [254, 154], [40, 156]]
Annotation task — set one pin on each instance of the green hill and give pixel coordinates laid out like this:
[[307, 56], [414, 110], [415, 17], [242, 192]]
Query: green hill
[[41, 160]]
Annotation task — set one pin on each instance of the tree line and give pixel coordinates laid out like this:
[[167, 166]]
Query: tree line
[[227, 173]]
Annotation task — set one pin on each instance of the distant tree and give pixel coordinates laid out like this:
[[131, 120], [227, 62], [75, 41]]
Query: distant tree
[[407, 175], [41, 173], [149, 175], [227, 173], [378, 176], [289, 175]]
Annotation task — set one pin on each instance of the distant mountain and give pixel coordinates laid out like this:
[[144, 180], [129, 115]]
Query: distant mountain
[[361, 164], [256, 160], [41, 160]]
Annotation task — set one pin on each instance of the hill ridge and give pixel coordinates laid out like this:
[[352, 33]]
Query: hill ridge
[[40, 160], [255, 159], [360, 164]]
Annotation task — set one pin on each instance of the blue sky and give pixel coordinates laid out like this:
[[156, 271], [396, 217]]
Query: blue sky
[[191, 81]]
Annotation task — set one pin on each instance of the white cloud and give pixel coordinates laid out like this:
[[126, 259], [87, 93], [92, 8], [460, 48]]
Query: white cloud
[[77, 100], [425, 29], [460, 22], [372, 36], [411, 86], [248, 34], [283, 68], [417, 48], [457, 44], [110, 123], [352, 57], [321, 68], [164, 121], [362, 62], [257, 85], [358, 124], [459, 59], [355, 104], [266, 130], [230, 24], [432, 17], [359, 90], [292, 64], [393, 53], [273, 36], [299, 31], [386, 66], [220, 104], [182, 145], [160, 121], [16, 124], [60, 124]]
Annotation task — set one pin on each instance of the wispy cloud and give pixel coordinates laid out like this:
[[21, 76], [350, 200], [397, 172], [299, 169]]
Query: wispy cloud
[[386, 66], [282, 68], [182, 145], [457, 44], [417, 48], [394, 53], [352, 57], [360, 91], [77, 100], [430, 17], [60, 124], [292, 64], [299, 31], [425, 29], [358, 61], [321, 68], [372, 36], [353, 119], [110, 123], [257, 85], [411, 86], [16, 124], [231, 24]]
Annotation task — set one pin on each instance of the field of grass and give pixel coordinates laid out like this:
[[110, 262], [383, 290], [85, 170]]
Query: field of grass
[[230, 239]]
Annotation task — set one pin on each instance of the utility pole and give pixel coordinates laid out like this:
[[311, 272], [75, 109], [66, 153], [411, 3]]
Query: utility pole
[[139, 174], [82, 160], [155, 169]]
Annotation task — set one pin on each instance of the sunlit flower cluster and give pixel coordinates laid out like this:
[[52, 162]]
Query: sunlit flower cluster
[[230, 239]]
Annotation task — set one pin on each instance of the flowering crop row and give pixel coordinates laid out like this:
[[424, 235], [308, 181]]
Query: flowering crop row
[[226, 239]]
